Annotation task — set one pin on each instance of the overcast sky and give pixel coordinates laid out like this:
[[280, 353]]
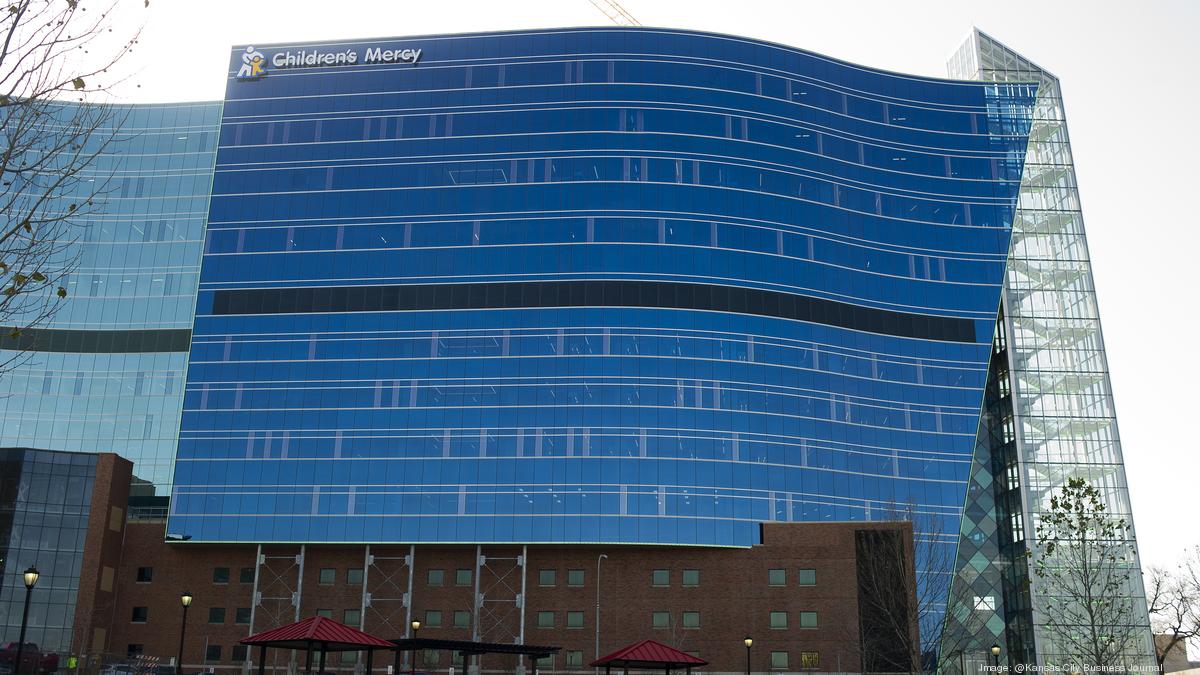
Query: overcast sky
[[1128, 73]]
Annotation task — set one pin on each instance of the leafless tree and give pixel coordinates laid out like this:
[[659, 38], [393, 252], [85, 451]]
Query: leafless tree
[[1173, 597], [55, 64], [1086, 565]]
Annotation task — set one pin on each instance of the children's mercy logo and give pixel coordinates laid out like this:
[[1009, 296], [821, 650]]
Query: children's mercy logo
[[254, 65]]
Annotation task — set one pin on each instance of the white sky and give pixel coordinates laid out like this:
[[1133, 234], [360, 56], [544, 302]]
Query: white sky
[[1129, 83]]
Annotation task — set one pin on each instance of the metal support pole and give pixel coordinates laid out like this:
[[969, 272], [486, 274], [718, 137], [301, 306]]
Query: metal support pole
[[262, 655], [24, 624], [602, 556], [362, 613], [370, 653], [258, 556], [182, 632], [747, 661], [321, 665], [408, 606]]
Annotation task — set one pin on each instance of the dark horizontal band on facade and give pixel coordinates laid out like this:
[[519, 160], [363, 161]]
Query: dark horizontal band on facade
[[98, 341], [651, 294]]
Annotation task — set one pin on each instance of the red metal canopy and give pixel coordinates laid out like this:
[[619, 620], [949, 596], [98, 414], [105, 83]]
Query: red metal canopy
[[319, 632], [649, 654]]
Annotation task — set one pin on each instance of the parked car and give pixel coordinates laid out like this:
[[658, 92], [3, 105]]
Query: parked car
[[31, 657]]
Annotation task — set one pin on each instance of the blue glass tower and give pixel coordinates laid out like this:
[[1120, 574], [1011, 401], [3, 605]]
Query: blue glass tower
[[593, 285]]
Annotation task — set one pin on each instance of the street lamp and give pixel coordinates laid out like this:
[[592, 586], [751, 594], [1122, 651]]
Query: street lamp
[[31, 577], [749, 642], [186, 600], [996, 656], [412, 668], [602, 556]]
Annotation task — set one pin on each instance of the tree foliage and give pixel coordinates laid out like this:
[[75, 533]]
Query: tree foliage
[[55, 61], [1086, 567]]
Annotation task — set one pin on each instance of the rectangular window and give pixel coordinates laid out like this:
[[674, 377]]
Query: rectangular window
[[660, 620], [246, 575], [238, 653], [776, 577], [778, 620], [691, 619], [433, 618], [327, 613], [462, 618], [574, 659], [348, 657], [352, 617], [810, 660], [431, 657], [575, 579], [545, 577], [779, 660], [327, 576], [140, 615], [691, 578], [462, 577], [808, 619], [145, 575], [456, 658], [436, 577], [545, 662], [242, 616], [212, 653], [660, 578], [806, 578], [574, 619], [216, 615], [354, 577], [220, 576], [545, 620]]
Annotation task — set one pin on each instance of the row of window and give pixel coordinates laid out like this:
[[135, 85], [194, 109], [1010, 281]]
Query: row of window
[[463, 577], [217, 615]]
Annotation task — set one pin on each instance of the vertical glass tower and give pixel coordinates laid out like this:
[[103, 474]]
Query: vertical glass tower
[[1052, 417]]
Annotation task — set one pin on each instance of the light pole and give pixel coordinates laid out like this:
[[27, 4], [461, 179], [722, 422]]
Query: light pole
[[996, 656], [749, 642], [412, 667], [185, 599], [31, 577], [602, 556]]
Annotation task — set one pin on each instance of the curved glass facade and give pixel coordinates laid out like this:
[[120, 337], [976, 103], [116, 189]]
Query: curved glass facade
[[106, 372], [593, 285]]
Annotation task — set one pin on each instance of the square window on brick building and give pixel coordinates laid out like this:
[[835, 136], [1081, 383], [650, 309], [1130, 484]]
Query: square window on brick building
[[691, 578], [810, 660], [216, 615], [212, 653], [575, 578], [779, 660], [327, 576], [354, 577], [140, 615], [660, 620], [462, 577], [246, 575], [777, 577], [778, 620], [545, 620], [133, 650], [808, 619], [691, 619], [352, 617], [546, 662], [436, 577], [145, 575], [327, 613], [462, 618], [220, 576], [807, 578], [456, 658], [660, 578], [241, 615], [238, 653], [433, 618], [349, 657], [574, 659], [431, 657], [574, 619], [546, 577]]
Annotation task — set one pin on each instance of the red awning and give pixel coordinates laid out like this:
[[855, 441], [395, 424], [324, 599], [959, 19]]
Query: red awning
[[649, 654], [317, 632]]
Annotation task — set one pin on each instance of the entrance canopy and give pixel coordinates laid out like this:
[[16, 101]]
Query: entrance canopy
[[648, 655], [325, 634]]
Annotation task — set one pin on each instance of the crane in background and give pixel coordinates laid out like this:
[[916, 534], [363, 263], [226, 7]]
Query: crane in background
[[615, 12]]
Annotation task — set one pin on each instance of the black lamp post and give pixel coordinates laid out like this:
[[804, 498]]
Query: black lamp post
[[996, 656], [749, 642], [31, 577], [186, 601], [412, 668]]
